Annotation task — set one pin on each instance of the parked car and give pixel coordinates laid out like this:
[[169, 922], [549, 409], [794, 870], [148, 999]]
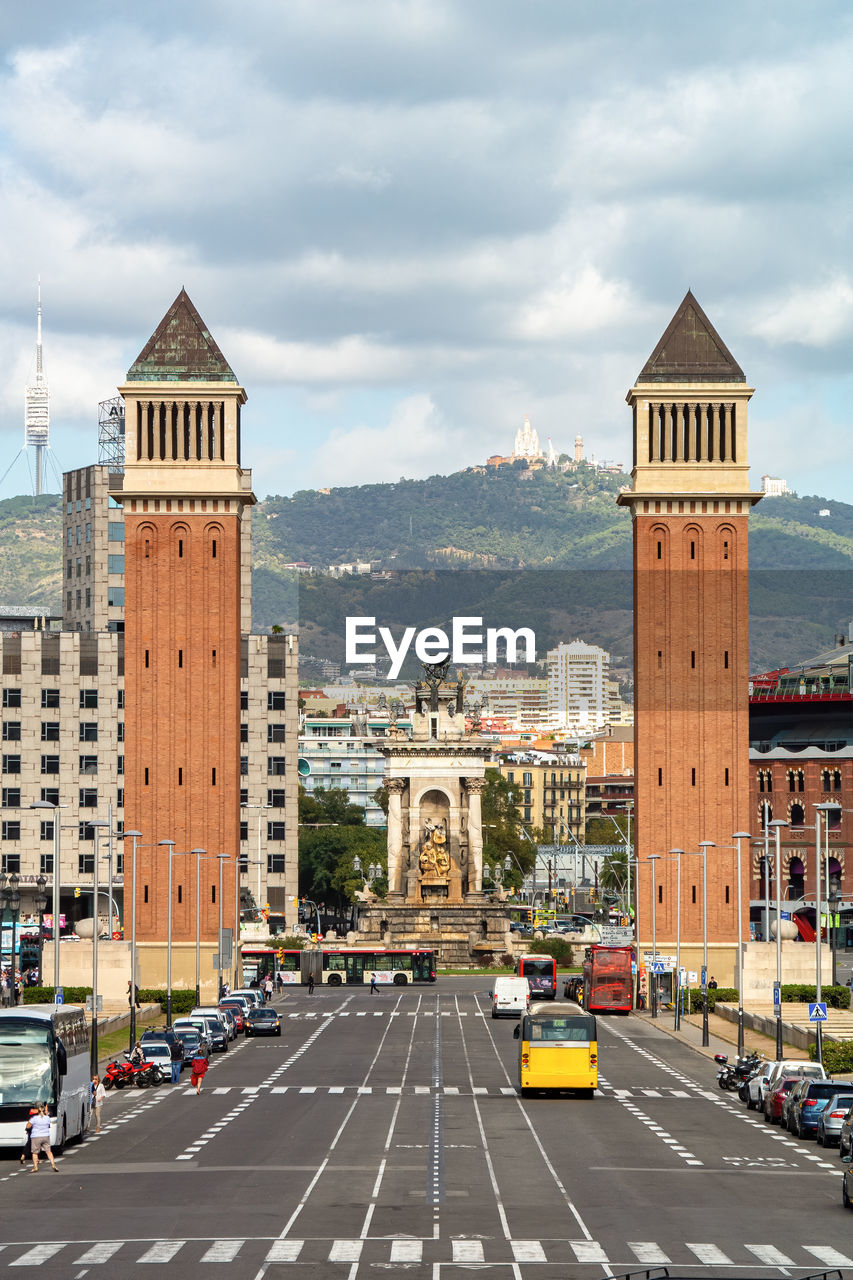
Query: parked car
[[160, 1052], [254, 994], [808, 1099], [230, 1022], [845, 1137], [263, 1022], [185, 1025], [832, 1117], [212, 1029], [775, 1071], [193, 1044], [847, 1180], [235, 1008], [775, 1097]]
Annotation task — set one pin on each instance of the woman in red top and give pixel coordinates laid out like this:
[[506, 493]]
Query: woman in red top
[[199, 1067]]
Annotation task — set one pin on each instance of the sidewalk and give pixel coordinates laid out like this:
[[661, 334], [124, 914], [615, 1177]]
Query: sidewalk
[[722, 1034]]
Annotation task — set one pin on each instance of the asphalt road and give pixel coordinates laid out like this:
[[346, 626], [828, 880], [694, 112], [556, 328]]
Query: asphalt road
[[384, 1134]]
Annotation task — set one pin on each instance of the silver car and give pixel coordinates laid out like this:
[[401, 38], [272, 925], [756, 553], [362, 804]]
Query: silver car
[[832, 1118]]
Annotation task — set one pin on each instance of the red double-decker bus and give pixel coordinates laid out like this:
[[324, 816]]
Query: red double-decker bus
[[607, 979]]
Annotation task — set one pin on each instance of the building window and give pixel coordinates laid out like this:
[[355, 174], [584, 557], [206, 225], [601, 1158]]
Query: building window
[[275, 863], [88, 566], [78, 598], [88, 731], [11, 797], [50, 795], [85, 864], [50, 730], [115, 564], [798, 815], [88, 797], [276, 766], [11, 863], [50, 698], [115, 530], [120, 700], [244, 766], [244, 796], [11, 731], [275, 830], [11, 697], [244, 733], [47, 830], [527, 779], [275, 799], [115, 597], [89, 698], [244, 831], [11, 764], [275, 733], [244, 699], [46, 864], [11, 830], [50, 764], [88, 533], [120, 798], [78, 567], [88, 764], [88, 597], [275, 700], [68, 599]]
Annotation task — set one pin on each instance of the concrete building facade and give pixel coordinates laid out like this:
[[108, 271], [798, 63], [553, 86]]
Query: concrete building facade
[[578, 687]]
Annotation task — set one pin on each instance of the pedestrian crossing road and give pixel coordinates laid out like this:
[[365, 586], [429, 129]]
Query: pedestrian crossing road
[[385, 1251]]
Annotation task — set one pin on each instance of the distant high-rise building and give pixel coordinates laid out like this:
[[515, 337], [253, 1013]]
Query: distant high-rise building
[[578, 687], [37, 415], [773, 486]]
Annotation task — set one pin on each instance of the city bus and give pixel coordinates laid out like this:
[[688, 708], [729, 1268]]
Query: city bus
[[356, 965], [558, 1049], [266, 962], [44, 1057], [608, 981], [541, 974]]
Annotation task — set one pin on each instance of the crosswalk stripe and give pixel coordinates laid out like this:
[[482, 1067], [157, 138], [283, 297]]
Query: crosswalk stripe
[[831, 1257], [468, 1251], [648, 1252], [162, 1251], [285, 1251], [407, 1251], [337, 1089], [223, 1251], [280, 1088], [99, 1253], [346, 1251], [36, 1256], [770, 1255], [710, 1255], [588, 1251], [528, 1251], [308, 1088]]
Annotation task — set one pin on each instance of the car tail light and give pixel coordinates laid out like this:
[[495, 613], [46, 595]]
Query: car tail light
[[810, 1102], [593, 1059], [837, 1115], [525, 1059]]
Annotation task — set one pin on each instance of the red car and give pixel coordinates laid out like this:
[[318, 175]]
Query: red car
[[234, 1007], [773, 1098]]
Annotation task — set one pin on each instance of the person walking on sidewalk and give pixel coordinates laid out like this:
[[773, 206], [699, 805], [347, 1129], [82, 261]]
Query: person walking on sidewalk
[[99, 1094], [310, 984], [176, 1049], [41, 1138], [373, 987]]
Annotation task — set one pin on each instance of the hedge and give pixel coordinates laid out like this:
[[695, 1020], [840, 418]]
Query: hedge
[[803, 993], [182, 1001], [837, 1056], [727, 994]]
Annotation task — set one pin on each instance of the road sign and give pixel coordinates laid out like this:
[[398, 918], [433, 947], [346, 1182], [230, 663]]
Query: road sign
[[614, 934], [704, 978], [777, 996], [634, 968], [60, 996], [657, 967], [692, 975], [817, 1012]]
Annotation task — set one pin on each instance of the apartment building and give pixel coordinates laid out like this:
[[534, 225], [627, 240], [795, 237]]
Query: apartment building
[[344, 753], [578, 692], [550, 793]]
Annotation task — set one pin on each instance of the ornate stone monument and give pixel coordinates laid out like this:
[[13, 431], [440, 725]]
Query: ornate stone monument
[[435, 779]]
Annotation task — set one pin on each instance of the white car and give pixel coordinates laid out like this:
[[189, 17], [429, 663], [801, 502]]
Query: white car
[[158, 1051], [773, 1071]]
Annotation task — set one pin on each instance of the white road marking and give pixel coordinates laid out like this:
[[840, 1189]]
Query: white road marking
[[831, 1257], [649, 1252], [162, 1251], [770, 1255], [346, 1251], [588, 1251], [36, 1256], [99, 1253], [223, 1251], [468, 1251], [407, 1251], [710, 1255], [285, 1251], [528, 1251]]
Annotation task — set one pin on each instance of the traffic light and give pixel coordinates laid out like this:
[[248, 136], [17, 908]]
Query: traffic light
[[77, 892]]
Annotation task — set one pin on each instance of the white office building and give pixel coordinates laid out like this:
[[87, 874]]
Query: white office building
[[578, 687]]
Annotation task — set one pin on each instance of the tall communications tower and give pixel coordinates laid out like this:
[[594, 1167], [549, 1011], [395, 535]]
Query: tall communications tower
[[37, 417]]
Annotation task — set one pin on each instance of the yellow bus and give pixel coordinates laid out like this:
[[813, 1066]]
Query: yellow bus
[[558, 1049]]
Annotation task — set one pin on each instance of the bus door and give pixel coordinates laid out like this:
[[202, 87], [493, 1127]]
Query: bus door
[[355, 968]]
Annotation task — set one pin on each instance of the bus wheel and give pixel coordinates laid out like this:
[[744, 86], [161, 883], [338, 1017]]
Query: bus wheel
[[58, 1149], [334, 980], [587, 1093], [400, 979]]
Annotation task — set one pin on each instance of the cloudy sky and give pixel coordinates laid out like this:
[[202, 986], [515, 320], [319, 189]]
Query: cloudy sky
[[410, 222]]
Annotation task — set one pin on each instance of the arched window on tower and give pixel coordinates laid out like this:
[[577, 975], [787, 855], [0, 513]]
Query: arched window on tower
[[797, 816], [796, 878]]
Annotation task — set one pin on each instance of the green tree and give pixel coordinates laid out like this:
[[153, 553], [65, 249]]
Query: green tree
[[332, 832], [502, 830]]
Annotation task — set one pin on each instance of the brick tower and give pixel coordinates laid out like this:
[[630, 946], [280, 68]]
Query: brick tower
[[184, 497], [690, 503]]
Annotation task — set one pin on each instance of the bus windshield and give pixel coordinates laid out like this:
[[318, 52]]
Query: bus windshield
[[26, 1063], [543, 967], [581, 1030]]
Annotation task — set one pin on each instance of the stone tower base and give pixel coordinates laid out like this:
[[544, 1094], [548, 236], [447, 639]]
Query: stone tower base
[[467, 934]]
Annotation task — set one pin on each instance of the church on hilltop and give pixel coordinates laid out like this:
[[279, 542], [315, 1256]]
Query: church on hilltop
[[528, 449]]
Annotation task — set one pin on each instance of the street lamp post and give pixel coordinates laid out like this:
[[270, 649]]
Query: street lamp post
[[135, 835], [258, 861], [96, 928], [653, 986], [57, 848], [705, 845], [198, 853], [170, 844], [677, 853], [221, 857], [740, 835], [41, 903], [777, 824], [819, 809]]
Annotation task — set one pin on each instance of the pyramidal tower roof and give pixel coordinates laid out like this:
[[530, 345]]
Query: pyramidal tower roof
[[181, 349], [691, 350]]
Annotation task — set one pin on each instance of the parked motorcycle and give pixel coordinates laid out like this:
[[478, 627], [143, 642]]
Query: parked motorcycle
[[118, 1075]]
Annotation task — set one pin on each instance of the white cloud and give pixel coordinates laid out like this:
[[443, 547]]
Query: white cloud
[[413, 442], [573, 305], [814, 315]]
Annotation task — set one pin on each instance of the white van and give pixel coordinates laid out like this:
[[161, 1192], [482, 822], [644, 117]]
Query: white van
[[510, 997]]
